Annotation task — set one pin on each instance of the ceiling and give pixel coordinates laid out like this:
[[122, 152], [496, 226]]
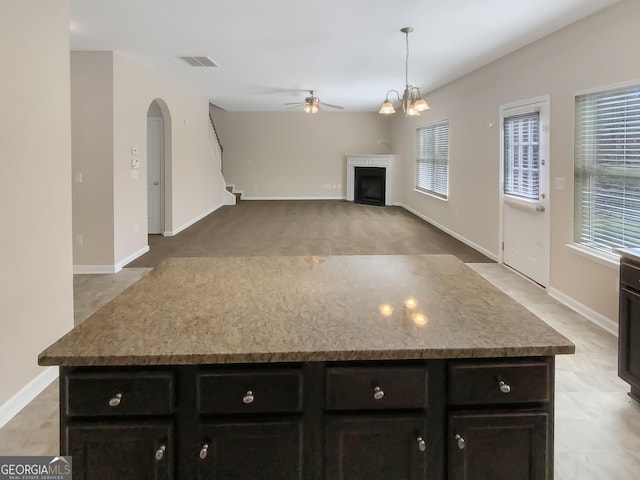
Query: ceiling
[[349, 51]]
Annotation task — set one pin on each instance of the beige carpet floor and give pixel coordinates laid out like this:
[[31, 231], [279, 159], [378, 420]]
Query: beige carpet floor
[[306, 227]]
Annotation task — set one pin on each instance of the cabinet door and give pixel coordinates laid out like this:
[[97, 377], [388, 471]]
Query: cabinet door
[[629, 340], [116, 451], [260, 450], [375, 447], [507, 446]]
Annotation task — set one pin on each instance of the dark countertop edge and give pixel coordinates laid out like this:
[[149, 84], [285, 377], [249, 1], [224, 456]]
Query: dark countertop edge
[[283, 357]]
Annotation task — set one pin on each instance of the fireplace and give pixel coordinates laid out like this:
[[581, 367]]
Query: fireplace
[[369, 185], [376, 184]]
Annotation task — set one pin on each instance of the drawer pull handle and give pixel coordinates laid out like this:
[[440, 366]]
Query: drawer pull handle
[[203, 451], [378, 393], [504, 387], [460, 441], [115, 401], [248, 397], [422, 446], [160, 452]]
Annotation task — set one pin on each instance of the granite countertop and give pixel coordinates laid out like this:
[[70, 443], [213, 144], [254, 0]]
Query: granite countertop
[[278, 309]]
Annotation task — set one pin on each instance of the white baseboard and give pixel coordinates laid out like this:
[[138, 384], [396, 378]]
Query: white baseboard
[[171, 233], [595, 317], [229, 198], [293, 198], [131, 258], [93, 269], [26, 394], [104, 269], [455, 235]]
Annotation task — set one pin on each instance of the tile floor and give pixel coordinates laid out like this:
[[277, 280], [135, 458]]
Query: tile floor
[[597, 426]]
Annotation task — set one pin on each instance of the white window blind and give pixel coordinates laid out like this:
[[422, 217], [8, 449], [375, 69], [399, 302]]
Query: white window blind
[[432, 166], [522, 155], [607, 169]]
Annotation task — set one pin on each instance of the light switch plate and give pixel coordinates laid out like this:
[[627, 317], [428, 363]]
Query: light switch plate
[[135, 163]]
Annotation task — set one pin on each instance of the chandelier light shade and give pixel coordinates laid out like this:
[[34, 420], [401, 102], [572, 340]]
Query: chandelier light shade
[[412, 101]]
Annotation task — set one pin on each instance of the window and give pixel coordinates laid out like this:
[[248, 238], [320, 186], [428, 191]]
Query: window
[[432, 167], [607, 169], [522, 155]]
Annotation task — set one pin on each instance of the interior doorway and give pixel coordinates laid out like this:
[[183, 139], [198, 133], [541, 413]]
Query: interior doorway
[[157, 180]]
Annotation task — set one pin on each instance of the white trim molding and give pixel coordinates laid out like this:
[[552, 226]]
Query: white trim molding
[[107, 269], [455, 235], [171, 233], [600, 320], [611, 260], [26, 394], [131, 258], [93, 269]]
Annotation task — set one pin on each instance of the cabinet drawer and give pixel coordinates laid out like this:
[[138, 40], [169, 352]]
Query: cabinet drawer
[[473, 383], [630, 275], [135, 393], [366, 388], [258, 391]]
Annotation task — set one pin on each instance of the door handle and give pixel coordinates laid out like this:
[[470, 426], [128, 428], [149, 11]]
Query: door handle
[[540, 208], [156, 183]]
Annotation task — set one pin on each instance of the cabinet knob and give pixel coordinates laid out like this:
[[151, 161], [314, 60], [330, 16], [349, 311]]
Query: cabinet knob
[[160, 452], [203, 451], [115, 401], [422, 446], [460, 441], [504, 387], [378, 393], [248, 397]]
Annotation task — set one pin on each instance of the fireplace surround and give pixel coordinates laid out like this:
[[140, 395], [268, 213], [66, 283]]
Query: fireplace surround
[[374, 161]]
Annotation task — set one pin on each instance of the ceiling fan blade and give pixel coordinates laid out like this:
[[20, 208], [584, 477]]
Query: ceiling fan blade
[[332, 106], [294, 107], [294, 103]]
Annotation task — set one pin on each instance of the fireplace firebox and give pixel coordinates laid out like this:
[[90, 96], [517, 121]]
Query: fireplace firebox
[[369, 185]]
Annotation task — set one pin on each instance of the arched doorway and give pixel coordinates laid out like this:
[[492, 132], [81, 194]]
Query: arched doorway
[[158, 160]]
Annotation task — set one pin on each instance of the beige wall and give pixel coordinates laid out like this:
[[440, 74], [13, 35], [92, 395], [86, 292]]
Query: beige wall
[[92, 156], [35, 186], [293, 155], [599, 51], [194, 184]]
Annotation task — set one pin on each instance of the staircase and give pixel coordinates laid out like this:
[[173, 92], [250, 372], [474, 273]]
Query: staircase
[[215, 146], [238, 194]]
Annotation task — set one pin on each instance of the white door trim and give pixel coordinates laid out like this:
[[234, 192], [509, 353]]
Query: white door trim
[[515, 108]]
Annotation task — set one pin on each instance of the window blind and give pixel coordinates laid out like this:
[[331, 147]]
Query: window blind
[[607, 169], [522, 155], [432, 175]]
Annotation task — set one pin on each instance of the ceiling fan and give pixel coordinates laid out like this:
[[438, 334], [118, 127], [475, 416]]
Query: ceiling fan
[[312, 104]]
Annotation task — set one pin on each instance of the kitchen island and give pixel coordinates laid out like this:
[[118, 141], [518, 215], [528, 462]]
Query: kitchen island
[[342, 367]]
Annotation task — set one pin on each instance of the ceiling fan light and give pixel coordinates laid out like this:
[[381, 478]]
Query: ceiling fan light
[[315, 108], [307, 108], [420, 105], [387, 108]]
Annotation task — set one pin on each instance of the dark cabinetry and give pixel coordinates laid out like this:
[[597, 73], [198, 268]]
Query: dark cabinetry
[[500, 420], [311, 421], [629, 327]]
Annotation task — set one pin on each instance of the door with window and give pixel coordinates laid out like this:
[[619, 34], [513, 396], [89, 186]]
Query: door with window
[[525, 196]]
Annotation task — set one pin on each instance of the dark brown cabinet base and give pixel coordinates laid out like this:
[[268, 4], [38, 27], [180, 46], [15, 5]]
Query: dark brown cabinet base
[[498, 446], [400, 420]]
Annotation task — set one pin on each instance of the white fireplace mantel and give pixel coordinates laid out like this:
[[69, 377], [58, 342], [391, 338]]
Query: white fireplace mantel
[[380, 161]]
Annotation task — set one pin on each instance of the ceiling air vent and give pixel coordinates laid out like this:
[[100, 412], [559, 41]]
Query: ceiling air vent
[[200, 61]]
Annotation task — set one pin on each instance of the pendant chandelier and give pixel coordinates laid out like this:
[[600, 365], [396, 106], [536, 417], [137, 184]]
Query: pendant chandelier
[[412, 101]]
